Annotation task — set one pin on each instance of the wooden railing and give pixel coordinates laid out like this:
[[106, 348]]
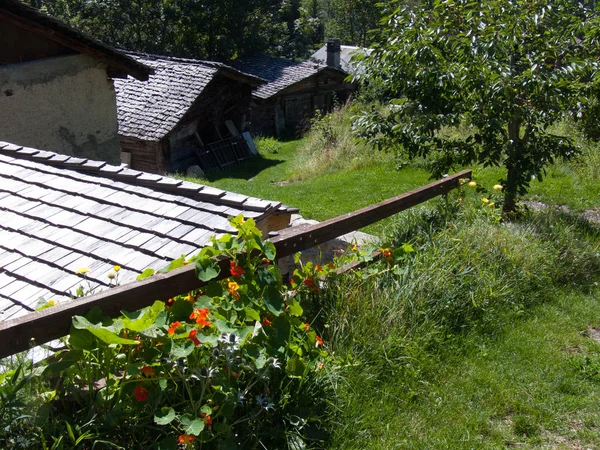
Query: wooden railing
[[43, 326]]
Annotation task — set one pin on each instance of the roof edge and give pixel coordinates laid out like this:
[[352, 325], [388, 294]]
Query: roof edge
[[31, 19]]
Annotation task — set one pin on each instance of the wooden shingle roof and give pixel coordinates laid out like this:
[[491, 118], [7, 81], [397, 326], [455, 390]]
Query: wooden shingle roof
[[280, 73], [24, 16], [150, 110], [62, 213]]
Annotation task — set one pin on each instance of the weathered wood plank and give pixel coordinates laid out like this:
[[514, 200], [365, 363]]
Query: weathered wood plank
[[43, 326]]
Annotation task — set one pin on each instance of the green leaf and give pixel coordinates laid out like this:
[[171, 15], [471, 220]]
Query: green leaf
[[143, 318], [165, 417], [147, 273], [175, 264], [182, 348], [224, 327], [105, 334], [82, 339], [206, 410], [181, 309], [193, 427], [163, 384], [268, 248], [273, 299], [252, 314], [207, 269], [65, 360], [294, 308], [295, 367]]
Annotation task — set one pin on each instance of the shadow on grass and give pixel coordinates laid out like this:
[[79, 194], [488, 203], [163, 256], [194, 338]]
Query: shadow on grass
[[246, 170]]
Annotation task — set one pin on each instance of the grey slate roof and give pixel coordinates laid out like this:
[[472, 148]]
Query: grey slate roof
[[280, 73], [62, 213], [150, 110], [54, 29], [346, 54]]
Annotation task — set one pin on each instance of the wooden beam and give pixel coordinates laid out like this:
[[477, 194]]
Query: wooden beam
[[42, 326], [292, 240]]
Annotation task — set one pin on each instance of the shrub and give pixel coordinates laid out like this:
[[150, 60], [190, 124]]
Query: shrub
[[236, 364]]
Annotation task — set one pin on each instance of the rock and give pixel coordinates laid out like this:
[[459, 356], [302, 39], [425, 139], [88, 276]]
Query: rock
[[194, 172]]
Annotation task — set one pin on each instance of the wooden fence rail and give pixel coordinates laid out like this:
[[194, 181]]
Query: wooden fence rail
[[43, 326]]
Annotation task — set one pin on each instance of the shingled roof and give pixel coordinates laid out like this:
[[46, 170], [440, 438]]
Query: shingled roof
[[280, 73], [150, 110], [61, 213], [24, 16]]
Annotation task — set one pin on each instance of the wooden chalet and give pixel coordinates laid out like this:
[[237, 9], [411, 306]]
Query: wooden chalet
[[56, 90], [294, 91], [187, 113], [61, 214]]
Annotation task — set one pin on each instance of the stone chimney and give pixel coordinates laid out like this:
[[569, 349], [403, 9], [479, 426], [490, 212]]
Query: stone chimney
[[334, 48]]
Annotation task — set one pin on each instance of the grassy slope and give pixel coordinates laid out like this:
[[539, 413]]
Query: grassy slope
[[521, 389]]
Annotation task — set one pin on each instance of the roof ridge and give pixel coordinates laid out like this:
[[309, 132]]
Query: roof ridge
[[157, 182]]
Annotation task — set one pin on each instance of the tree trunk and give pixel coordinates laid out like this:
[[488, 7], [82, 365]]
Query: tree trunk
[[513, 165]]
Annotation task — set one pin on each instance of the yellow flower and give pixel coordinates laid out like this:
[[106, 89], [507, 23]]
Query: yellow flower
[[498, 187], [52, 302], [117, 268], [82, 270], [472, 184], [354, 247], [492, 203], [485, 200]]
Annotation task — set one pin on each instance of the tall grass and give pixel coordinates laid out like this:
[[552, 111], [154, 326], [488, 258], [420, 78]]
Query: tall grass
[[329, 146], [470, 275]]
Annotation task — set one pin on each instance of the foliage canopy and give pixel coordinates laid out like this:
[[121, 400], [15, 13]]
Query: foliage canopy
[[503, 71]]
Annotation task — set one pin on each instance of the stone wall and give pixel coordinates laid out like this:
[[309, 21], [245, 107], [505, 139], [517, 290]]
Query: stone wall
[[65, 104]]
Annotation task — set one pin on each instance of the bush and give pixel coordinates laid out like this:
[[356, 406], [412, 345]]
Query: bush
[[236, 364]]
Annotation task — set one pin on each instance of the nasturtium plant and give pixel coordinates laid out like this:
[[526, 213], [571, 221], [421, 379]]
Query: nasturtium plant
[[209, 366]]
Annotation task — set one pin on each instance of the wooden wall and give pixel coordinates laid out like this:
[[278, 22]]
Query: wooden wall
[[298, 103], [145, 155], [223, 99]]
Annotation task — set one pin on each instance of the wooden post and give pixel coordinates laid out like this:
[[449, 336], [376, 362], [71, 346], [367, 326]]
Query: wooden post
[[42, 326]]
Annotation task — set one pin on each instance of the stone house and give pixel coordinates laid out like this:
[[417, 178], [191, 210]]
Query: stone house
[[294, 91], [188, 112], [56, 90]]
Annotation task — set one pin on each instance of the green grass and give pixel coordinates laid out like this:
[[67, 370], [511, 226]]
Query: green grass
[[476, 341], [523, 388], [320, 197]]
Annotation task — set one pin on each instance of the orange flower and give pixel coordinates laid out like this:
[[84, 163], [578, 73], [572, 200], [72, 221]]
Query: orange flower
[[318, 268], [185, 439], [140, 394], [189, 298], [307, 327], [265, 322], [233, 288], [235, 269], [387, 253], [206, 418], [148, 371], [319, 341], [201, 317], [173, 327], [193, 338], [292, 282], [170, 302]]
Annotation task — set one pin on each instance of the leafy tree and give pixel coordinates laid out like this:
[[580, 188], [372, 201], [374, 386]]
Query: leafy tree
[[351, 20], [500, 71]]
